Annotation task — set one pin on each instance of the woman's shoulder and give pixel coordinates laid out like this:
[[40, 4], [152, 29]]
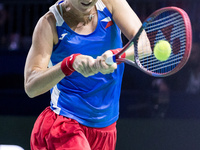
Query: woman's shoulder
[[108, 4]]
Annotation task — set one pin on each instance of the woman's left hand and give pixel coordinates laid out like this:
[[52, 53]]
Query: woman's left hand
[[102, 66]]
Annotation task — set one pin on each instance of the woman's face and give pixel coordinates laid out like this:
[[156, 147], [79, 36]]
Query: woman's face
[[84, 6]]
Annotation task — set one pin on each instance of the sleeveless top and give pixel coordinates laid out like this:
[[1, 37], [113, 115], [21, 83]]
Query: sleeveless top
[[92, 101]]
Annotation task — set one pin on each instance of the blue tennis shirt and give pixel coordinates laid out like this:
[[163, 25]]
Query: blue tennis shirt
[[92, 101]]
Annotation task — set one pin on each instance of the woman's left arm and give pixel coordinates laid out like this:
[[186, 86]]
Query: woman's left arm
[[127, 21], [124, 17]]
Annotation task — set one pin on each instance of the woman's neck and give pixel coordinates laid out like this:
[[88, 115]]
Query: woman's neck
[[73, 15]]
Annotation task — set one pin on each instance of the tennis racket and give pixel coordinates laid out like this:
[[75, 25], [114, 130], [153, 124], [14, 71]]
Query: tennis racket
[[169, 23]]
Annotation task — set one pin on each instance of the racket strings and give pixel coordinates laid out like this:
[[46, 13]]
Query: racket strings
[[152, 64], [151, 58], [177, 31], [158, 64], [155, 33], [156, 26], [175, 46], [155, 62], [161, 19]]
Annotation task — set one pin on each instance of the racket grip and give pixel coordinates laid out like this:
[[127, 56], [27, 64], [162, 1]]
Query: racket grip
[[111, 60]]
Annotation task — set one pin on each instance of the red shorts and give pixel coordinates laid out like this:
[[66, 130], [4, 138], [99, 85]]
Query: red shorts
[[55, 132]]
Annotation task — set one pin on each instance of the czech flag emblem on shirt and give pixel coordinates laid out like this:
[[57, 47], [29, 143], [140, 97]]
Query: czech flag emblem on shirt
[[107, 22]]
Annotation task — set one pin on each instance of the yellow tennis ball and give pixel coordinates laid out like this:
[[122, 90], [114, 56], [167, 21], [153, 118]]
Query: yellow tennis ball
[[162, 50]]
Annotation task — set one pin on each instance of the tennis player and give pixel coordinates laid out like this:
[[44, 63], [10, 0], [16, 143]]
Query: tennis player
[[69, 47]]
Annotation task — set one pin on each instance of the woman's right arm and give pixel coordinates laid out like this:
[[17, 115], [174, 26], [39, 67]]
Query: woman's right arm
[[38, 77]]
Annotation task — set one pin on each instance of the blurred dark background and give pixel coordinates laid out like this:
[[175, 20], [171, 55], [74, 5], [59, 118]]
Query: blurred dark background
[[155, 113]]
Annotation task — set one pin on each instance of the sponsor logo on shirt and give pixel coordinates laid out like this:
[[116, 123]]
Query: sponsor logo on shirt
[[62, 36]]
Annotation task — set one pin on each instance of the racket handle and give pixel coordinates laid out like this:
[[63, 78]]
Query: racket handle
[[111, 60]]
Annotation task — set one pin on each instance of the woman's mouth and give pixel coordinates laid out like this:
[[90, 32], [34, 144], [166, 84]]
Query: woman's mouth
[[86, 3]]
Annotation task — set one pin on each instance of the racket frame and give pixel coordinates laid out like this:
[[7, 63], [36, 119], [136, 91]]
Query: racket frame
[[116, 58]]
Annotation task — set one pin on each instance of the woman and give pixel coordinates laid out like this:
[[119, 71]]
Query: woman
[[69, 47]]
